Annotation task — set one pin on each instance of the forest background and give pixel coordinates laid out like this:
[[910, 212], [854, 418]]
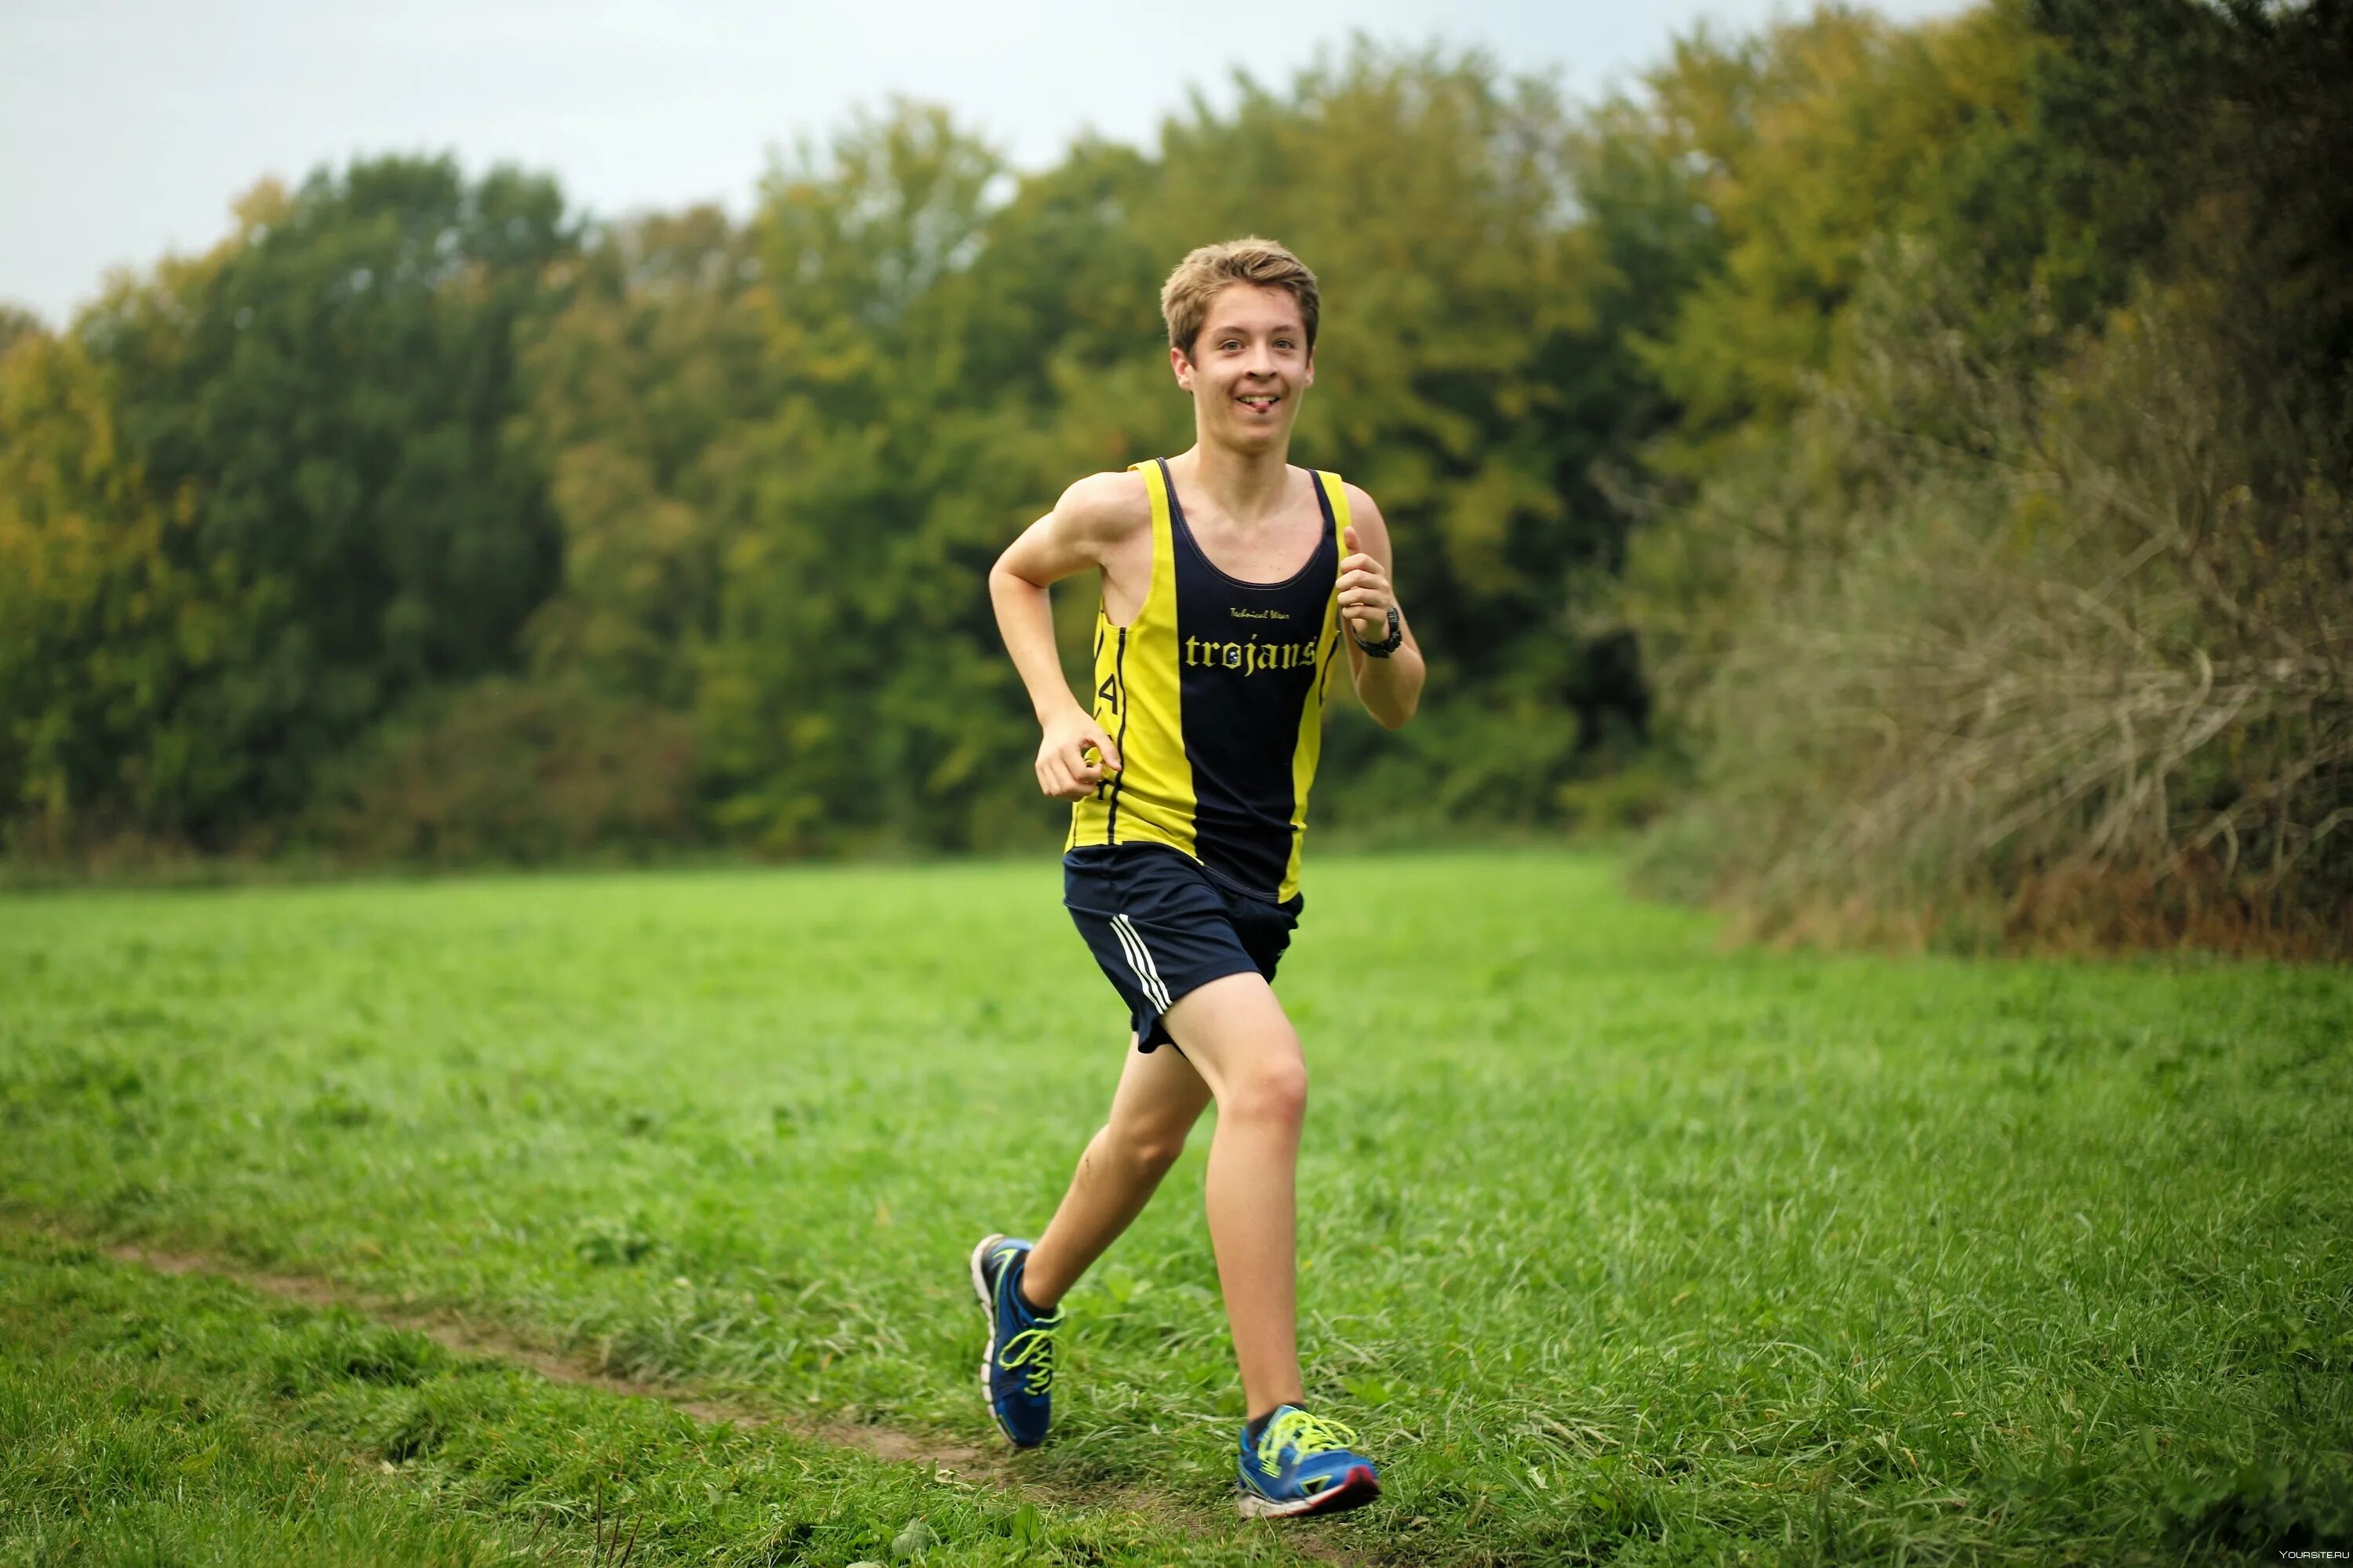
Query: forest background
[[1902, 471]]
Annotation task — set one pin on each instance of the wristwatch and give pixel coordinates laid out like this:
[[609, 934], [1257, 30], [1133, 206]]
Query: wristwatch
[[1382, 650]]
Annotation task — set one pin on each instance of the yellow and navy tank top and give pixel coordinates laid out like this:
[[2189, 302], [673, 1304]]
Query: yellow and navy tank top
[[1214, 695]]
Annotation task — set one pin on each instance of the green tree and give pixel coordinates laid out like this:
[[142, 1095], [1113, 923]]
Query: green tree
[[1808, 142], [102, 629], [16, 322], [642, 391], [329, 402], [852, 689]]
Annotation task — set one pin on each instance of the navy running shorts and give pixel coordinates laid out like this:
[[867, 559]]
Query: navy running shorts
[[1161, 925]]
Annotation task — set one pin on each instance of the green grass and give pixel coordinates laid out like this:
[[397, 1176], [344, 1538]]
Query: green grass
[[151, 1420], [1616, 1247], [137, 1425]]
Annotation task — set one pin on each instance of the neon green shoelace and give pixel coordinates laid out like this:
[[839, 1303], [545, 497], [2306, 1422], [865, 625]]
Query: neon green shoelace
[[1304, 1433], [1033, 1349]]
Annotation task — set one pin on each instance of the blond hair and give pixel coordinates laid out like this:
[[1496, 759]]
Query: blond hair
[[1201, 276]]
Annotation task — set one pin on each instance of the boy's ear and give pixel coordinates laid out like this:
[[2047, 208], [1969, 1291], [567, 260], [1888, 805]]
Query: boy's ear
[[1182, 367]]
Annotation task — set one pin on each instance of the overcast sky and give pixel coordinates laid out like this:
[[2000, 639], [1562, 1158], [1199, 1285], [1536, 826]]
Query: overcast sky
[[127, 126]]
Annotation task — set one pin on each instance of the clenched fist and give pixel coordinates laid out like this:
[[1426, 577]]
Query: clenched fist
[[1065, 770]]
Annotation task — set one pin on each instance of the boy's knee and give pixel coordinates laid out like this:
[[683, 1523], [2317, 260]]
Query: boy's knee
[[1270, 1091]]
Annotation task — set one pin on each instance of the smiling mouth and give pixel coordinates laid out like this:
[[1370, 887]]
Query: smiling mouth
[[1261, 401]]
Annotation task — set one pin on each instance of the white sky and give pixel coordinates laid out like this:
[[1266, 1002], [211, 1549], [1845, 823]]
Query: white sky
[[127, 126]]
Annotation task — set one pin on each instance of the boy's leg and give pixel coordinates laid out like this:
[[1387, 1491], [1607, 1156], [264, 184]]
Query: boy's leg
[[1235, 1035], [1158, 1100]]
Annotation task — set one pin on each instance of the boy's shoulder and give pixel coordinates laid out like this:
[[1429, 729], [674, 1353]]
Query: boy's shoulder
[[1104, 508], [1364, 515]]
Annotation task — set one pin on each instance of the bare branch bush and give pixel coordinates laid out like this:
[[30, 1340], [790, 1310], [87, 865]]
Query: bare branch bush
[[2067, 653]]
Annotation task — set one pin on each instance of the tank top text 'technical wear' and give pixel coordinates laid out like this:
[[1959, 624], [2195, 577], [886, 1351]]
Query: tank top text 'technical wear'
[[1214, 695]]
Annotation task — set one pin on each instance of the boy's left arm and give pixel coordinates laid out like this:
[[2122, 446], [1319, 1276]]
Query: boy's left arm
[[1389, 688]]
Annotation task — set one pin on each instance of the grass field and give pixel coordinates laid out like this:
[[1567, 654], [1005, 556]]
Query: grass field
[[1617, 1247]]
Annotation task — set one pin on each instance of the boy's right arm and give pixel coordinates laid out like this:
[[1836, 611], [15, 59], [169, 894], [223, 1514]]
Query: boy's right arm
[[1092, 516]]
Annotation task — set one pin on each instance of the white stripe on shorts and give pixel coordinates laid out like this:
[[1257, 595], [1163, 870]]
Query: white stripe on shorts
[[1139, 958], [1134, 964]]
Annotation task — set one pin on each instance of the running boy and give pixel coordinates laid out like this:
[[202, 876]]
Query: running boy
[[1230, 583]]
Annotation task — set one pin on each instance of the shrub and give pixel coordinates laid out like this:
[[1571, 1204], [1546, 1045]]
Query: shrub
[[514, 770], [2070, 648]]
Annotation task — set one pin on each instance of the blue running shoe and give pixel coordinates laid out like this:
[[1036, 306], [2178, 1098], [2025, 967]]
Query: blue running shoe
[[1301, 1464], [1019, 1370]]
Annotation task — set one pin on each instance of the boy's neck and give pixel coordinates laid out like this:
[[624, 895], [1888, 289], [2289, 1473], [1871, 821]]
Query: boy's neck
[[1245, 487]]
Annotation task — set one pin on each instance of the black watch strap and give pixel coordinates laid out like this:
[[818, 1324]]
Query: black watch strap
[[1383, 649]]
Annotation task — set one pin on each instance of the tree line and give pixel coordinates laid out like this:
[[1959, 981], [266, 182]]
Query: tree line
[[1909, 461]]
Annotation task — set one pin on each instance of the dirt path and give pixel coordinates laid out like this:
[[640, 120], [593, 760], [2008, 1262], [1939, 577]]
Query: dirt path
[[458, 1332], [955, 1461]]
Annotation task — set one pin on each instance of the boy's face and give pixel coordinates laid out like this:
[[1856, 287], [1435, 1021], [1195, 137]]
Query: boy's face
[[1249, 367]]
